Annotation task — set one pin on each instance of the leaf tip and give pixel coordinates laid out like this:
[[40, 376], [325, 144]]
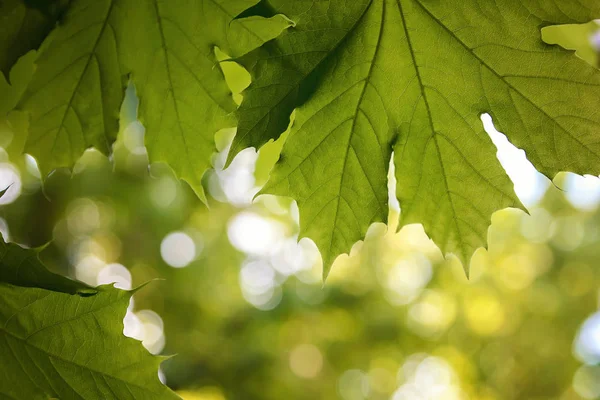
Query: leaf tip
[[143, 285], [234, 150], [199, 191]]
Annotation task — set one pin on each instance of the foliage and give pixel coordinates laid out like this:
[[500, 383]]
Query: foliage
[[347, 90], [334, 66], [507, 333], [168, 52], [63, 339], [414, 77]]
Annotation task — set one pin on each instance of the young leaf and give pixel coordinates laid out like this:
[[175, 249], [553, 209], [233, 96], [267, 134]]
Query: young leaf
[[416, 75], [167, 49], [61, 339]]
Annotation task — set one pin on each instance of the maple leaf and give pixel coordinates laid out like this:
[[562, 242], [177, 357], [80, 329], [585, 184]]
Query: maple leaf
[[167, 50], [414, 76], [63, 339]]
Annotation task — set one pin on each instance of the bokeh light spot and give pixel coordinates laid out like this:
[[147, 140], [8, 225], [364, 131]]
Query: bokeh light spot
[[354, 385], [253, 234], [484, 313], [178, 249], [306, 361], [586, 382], [83, 216], [587, 342]]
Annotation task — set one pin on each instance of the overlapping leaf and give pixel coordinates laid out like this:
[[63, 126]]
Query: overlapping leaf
[[167, 49], [62, 339], [415, 76], [368, 76], [23, 27]]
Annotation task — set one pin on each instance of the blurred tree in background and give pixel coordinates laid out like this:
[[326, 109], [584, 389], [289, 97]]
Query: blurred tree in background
[[242, 305]]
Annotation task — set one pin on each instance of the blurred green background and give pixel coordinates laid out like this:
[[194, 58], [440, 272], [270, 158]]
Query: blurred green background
[[241, 302]]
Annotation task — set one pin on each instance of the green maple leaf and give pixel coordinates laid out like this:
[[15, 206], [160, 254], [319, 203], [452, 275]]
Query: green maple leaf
[[414, 76], [62, 339], [167, 50]]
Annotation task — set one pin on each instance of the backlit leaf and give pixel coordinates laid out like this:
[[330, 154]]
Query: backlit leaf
[[62, 339], [167, 50], [414, 76]]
